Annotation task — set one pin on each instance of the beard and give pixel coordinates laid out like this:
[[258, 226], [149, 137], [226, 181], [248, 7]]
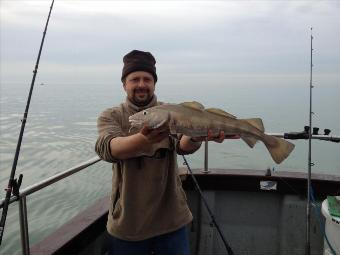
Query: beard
[[141, 97]]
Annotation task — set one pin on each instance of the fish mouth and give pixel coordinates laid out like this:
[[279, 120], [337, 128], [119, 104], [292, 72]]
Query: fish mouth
[[134, 124]]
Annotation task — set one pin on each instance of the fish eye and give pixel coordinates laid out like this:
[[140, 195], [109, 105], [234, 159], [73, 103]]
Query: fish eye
[[144, 113]]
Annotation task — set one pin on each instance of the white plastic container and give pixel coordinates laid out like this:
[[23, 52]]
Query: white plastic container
[[332, 229]]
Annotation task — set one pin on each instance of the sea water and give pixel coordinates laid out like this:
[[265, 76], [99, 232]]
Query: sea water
[[61, 132]]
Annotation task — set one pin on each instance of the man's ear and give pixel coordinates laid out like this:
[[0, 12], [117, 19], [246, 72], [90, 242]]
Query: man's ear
[[124, 86]]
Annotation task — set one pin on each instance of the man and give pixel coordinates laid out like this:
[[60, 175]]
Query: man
[[148, 210]]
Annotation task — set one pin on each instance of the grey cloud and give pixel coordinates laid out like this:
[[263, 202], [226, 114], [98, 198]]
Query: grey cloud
[[241, 39]]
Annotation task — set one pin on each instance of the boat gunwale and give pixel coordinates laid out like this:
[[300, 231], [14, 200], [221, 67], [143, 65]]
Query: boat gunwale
[[263, 173], [80, 230]]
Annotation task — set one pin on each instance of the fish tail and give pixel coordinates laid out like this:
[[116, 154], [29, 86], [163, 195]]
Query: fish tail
[[278, 148]]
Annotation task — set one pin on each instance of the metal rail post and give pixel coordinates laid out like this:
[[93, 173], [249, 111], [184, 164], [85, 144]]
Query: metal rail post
[[206, 169], [24, 226]]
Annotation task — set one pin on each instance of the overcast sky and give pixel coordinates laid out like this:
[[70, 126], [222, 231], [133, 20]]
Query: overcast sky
[[86, 40]]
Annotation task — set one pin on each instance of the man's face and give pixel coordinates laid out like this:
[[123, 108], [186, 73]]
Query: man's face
[[139, 87]]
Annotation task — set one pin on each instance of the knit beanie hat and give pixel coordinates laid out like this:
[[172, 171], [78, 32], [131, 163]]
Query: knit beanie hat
[[139, 61]]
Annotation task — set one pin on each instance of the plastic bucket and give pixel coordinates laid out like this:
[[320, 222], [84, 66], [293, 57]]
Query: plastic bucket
[[332, 230]]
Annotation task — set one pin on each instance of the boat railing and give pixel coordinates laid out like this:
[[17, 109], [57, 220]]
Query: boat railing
[[36, 187]]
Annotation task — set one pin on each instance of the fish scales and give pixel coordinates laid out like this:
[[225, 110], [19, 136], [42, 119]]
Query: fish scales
[[194, 122]]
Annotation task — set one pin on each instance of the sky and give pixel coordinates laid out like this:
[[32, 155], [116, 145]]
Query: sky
[[86, 40]]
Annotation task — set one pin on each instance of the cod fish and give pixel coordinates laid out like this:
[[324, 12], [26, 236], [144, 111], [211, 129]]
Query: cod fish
[[192, 119]]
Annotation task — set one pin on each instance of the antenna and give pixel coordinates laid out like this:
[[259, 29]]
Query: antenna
[[310, 163]]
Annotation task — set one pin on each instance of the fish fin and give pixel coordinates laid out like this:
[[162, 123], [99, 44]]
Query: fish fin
[[278, 148], [160, 124], [220, 112], [256, 122], [251, 141], [193, 105]]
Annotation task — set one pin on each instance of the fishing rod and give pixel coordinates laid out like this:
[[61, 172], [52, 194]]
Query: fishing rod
[[305, 135], [14, 184], [227, 246], [309, 148]]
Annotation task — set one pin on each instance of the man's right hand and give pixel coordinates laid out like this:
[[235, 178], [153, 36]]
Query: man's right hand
[[139, 144], [155, 135]]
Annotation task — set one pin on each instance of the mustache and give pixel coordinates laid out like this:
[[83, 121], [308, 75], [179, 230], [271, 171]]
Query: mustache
[[141, 90]]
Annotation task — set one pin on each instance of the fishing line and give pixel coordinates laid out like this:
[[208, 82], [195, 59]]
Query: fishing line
[[13, 184], [228, 248]]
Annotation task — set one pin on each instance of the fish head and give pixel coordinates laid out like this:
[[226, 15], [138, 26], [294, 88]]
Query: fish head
[[149, 117]]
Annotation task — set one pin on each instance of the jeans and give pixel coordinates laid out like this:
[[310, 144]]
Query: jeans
[[174, 243]]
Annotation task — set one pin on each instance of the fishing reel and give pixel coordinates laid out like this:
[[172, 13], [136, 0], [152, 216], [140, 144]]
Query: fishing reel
[[15, 186]]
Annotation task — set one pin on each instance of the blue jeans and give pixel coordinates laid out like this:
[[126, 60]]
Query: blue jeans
[[174, 243]]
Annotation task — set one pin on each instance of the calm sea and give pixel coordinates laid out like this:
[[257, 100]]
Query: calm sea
[[61, 132]]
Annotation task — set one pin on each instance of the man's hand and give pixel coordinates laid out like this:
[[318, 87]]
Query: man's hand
[[139, 144], [155, 135], [219, 139]]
